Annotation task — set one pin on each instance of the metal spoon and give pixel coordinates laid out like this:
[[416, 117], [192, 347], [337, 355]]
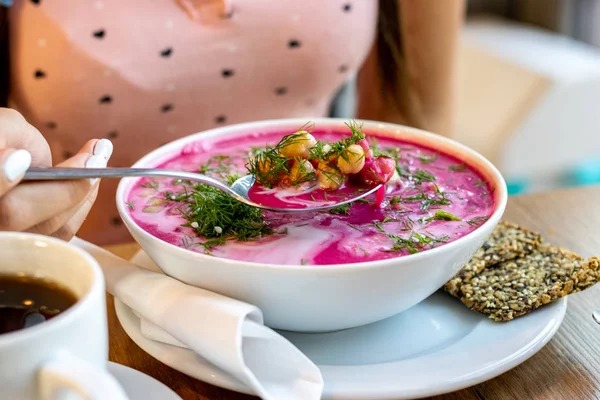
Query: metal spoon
[[238, 190]]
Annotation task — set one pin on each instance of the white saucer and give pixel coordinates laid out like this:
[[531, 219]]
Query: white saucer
[[139, 386], [436, 347]]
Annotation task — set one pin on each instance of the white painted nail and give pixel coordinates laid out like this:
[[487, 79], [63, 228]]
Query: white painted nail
[[104, 148], [96, 161], [16, 164]]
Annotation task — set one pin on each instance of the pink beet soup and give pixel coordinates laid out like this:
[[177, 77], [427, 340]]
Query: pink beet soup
[[434, 199]]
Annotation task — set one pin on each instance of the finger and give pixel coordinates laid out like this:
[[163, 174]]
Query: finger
[[54, 224], [71, 227], [13, 164], [76, 216], [17, 133], [31, 204]]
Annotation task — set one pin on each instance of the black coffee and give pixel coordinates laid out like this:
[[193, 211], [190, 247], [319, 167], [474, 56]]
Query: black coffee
[[27, 301]]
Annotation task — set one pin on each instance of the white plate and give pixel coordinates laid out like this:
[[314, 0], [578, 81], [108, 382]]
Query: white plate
[[436, 347], [139, 386]]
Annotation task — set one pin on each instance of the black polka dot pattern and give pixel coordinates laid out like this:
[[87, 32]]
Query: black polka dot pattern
[[280, 91], [166, 108], [116, 221], [36, 2], [227, 73], [166, 52], [294, 44], [347, 7], [221, 119], [343, 68], [106, 99], [99, 34], [39, 74], [112, 135], [51, 125]]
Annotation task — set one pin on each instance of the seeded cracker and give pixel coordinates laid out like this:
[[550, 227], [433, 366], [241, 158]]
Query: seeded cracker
[[522, 285], [507, 242]]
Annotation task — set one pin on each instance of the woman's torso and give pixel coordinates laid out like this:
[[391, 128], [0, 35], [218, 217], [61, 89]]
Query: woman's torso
[[144, 73]]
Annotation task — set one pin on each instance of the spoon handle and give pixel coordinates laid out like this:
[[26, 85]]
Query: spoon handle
[[45, 174]]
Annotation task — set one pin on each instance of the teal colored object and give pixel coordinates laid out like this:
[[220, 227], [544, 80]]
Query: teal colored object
[[516, 186], [586, 173]]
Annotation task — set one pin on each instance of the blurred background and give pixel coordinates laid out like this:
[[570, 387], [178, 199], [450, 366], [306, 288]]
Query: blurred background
[[529, 90]]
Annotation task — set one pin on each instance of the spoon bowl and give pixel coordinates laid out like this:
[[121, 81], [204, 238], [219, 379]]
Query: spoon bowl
[[238, 190]]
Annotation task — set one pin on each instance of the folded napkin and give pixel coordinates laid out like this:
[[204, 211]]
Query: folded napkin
[[226, 332]]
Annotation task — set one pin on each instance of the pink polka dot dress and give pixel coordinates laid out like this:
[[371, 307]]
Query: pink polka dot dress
[[143, 73]]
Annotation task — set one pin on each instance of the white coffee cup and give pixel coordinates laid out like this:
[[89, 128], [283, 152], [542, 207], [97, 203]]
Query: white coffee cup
[[65, 357]]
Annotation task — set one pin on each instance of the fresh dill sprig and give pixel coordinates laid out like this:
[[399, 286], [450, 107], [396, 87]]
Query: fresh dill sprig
[[131, 204], [427, 159], [150, 184], [441, 215], [218, 217], [476, 221], [415, 242], [418, 176], [457, 168], [437, 198], [344, 209]]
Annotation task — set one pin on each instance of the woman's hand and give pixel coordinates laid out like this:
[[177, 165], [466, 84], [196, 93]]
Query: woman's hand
[[56, 208]]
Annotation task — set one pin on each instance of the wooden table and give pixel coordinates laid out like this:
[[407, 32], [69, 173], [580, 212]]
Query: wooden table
[[568, 367]]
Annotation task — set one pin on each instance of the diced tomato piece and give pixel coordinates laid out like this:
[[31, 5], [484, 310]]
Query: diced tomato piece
[[377, 170]]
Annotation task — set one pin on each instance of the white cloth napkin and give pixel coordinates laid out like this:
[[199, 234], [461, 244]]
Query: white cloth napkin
[[227, 332]]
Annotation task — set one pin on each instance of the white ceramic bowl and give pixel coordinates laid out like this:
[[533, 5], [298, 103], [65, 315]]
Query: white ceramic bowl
[[330, 297]]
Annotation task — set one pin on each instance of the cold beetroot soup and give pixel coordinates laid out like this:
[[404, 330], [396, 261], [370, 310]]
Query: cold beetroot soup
[[432, 200]]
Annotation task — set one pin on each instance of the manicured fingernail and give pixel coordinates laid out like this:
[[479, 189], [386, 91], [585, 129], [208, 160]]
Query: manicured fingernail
[[104, 148], [16, 164], [96, 161]]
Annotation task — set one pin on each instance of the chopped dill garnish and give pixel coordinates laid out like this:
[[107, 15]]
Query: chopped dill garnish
[[232, 178], [378, 225], [457, 168], [218, 217], [131, 204], [480, 183], [476, 221], [344, 209], [415, 242], [395, 200], [150, 184], [354, 227], [441, 215], [217, 165], [427, 159], [417, 176], [303, 261], [437, 198], [365, 201]]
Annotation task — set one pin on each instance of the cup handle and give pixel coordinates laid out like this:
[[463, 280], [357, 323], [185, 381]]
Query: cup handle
[[66, 376]]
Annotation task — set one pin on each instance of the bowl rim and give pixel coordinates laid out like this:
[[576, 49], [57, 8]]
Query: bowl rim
[[162, 153]]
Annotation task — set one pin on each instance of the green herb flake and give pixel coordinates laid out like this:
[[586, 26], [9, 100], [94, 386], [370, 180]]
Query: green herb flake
[[477, 221], [131, 204], [441, 215], [344, 209], [427, 159], [457, 168]]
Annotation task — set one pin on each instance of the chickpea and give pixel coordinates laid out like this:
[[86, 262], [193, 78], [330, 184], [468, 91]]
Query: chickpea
[[264, 166], [352, 159], [329, 177], [301, 171], [302, 142]]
